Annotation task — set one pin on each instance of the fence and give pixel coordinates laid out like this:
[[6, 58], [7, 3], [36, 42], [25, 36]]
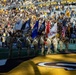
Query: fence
[[4, 52], [71, 46]]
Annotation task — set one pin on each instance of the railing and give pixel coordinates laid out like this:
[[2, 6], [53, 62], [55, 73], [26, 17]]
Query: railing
[[4, 52], [73, 41], [71, 45]]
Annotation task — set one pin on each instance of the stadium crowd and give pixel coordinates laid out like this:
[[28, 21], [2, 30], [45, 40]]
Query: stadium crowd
[[65, 18]]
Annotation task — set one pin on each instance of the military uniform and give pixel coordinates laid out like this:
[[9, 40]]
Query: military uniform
[[66, 42], [28, 43], [42, 43], [61, 44], [19, 45], [9, 44], [3, 39]]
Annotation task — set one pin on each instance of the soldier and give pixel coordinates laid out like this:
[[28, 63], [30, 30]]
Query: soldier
[[3, 39], [28, 43], [61, 44], [48, 44], [55, 43], [41, 41], [19, 45], [35, 44], [66, 42], [44, 41], [9, 41]]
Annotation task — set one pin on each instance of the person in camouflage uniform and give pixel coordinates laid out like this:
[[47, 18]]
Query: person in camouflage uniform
[[35, 44], [19, 45], [42, 43], [28, 42], [9, 41], [66, 42]]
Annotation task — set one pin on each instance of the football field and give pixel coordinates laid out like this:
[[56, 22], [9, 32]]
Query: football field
[[61, 63], [31, 66]]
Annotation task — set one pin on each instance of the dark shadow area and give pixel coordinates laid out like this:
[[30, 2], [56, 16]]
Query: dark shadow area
[[36, 70], [12, 63], [66, 51]]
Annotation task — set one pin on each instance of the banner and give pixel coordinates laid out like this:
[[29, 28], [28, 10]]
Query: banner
[[18, 25], [35, 30], [26, 26], [53, 31], [42, 27], [47, 29]]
